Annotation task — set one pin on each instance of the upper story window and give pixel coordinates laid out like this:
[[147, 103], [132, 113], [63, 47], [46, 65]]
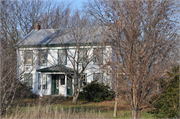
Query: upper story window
[[43, 57], [83, 56], [62, 56], [28, 57], [28, 80], [98, 56]]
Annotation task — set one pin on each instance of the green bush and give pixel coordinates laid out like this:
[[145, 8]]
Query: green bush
[[96, 92], [167, 106]]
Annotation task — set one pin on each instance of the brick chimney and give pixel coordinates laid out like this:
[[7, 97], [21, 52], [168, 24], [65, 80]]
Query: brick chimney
[[119, 23], [37, 27]]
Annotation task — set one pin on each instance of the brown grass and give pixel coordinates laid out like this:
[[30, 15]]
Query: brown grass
[[58, 107], [53, 112]]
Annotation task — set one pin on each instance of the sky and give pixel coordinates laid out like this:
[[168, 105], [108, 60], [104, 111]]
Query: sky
[[77, 3]]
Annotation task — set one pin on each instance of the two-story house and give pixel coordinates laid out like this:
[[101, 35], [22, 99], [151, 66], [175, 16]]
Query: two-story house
[[50, 59]]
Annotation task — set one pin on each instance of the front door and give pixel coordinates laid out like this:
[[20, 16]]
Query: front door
[[55, 84]]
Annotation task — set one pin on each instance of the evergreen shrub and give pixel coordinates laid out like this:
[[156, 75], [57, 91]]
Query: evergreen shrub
[[96, 92], [167, 105]]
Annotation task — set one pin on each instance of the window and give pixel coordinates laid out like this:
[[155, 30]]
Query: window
[[98, 56], [44, 82], [98, 77], [28, 80], [28, 57], [83, 56], [62, 78], [62, 56], [84, 80], [43, 57]]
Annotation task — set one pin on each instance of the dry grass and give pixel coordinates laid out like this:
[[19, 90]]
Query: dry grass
[[53, 112], [57, 109]]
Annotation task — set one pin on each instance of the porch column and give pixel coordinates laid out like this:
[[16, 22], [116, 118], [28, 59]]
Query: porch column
[[65, 90], [41, 91]]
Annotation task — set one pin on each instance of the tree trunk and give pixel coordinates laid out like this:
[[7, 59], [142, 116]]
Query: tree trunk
[[116, 97], [75, 98], [115, 107], [134, 114]]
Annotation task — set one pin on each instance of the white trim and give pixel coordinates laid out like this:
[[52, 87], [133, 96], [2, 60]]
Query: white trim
[[41, 91], [65, 90]]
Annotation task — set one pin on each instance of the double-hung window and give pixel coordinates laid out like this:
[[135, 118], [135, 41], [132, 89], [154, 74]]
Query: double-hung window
[[98, 56], [44, 81], [83, 56], [98, 77], [83, 80], [62, 56], [28, 58], [62, 78], [28, 80], [43, 57]]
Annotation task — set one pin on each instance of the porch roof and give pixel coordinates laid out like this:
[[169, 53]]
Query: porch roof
[[56, 68]]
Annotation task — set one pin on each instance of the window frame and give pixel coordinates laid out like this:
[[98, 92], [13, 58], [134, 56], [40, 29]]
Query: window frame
[[81, 61], [65, 57], [45, 59], [25, 57], [62, 83], [39, 81], [94, 56], [81, 82], [31, 85]]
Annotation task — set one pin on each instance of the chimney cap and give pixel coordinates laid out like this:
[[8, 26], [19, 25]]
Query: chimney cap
[[37, 27]]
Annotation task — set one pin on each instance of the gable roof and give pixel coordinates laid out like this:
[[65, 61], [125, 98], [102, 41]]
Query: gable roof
[[56, 68], [51, 37]]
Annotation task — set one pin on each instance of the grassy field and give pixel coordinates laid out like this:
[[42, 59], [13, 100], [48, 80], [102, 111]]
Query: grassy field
[[63, 108]]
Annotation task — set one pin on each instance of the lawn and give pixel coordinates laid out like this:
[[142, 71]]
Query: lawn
[[63, 108]]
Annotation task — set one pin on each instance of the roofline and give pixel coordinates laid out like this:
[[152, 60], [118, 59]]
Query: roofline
[[62, 45], [65, 69]]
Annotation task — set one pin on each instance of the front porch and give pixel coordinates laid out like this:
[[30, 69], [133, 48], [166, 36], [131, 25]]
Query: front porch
[[61, 78]]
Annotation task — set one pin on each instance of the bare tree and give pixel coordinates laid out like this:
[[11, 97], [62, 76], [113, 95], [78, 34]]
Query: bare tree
[[18, 18], [8, 56], [56, 16], [84, 46], [143, 35]]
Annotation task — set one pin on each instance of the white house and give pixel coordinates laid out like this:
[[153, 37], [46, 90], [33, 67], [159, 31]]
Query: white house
[[44, 62]]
